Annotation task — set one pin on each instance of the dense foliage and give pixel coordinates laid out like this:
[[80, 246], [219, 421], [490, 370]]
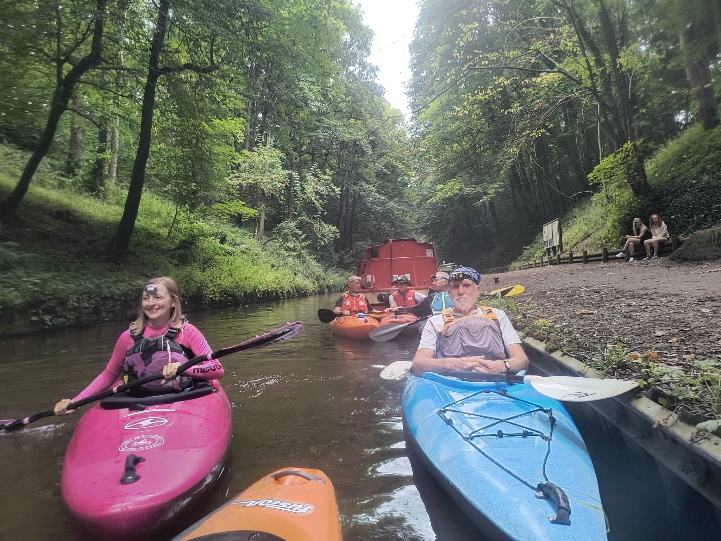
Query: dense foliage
[[518, 102], [53, 274], [262, 120], [267, 110], [684, 189]]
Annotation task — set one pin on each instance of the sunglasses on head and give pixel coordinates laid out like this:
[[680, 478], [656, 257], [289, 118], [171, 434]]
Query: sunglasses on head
[[151, 289], [462, 275]]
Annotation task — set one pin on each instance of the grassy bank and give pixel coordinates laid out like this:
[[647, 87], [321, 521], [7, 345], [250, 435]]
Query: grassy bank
[[56, 268], [685, 181]]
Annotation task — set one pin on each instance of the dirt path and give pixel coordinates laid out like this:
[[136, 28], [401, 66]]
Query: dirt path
[[664, 316]]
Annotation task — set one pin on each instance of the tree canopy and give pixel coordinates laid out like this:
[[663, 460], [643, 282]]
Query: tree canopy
[[268, 115]]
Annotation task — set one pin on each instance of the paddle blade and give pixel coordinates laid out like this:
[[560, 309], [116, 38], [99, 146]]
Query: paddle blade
[[397, 370], [281, 334], [326, 316], [509, 291], [576, 389], [387, 332]]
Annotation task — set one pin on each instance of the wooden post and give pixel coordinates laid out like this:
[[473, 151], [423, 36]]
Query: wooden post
[[604, 254], [570, 257], [585, 256], [558, 258]]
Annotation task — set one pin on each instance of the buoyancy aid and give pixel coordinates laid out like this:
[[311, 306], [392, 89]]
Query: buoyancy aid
[[467, 336], [441, 301], [147, 357], [355, 303], [408, 300]]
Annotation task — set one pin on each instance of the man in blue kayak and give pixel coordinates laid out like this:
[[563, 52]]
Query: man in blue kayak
[[467, 337]]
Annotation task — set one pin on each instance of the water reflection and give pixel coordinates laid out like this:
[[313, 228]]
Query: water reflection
[[315, 401]]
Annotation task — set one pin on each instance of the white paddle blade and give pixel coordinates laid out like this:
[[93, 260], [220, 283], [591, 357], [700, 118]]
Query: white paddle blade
[[397, 370], [575, 389], [387, 332]]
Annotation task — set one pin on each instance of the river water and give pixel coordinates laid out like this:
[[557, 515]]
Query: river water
[[315, 401]]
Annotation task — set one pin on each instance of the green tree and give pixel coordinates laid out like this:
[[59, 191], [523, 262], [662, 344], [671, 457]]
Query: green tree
[[69, 69]]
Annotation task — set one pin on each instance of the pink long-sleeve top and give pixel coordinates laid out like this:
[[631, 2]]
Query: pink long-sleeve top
[[188, 336]]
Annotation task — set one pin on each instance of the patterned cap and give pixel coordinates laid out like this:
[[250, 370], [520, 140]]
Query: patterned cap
[[466, 272], [354, 278]]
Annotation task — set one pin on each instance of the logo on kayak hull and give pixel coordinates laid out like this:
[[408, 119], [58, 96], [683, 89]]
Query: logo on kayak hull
[[147, 422], [280, 505], [139, 443]]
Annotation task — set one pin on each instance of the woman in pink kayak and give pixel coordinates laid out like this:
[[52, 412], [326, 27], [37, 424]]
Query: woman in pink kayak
[[160, 340]]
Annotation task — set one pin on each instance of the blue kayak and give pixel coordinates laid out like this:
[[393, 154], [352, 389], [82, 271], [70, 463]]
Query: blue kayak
[[509, 456]]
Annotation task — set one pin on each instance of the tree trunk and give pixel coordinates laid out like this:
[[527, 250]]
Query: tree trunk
[[99, 173], [121, 240], [114, 151], [698, 75], [74, 160], [64, 89]]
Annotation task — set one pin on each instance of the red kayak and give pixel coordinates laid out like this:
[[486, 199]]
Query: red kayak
[[135, 464], [292, 504]]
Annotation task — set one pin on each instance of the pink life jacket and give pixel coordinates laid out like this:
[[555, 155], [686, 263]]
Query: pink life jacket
[[148, 356]]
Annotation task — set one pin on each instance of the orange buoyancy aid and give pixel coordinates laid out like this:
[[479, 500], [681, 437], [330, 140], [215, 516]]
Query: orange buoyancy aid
[[355, 303], [408, 300]]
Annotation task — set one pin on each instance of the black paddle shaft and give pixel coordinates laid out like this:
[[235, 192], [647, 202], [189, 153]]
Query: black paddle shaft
[[285, 332]]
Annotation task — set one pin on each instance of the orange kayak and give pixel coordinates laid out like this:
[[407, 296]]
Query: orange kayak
[[292, 504], [353, 327], [399, 319]]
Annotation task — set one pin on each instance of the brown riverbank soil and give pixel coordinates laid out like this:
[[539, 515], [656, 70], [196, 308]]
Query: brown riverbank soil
[[655, 321]]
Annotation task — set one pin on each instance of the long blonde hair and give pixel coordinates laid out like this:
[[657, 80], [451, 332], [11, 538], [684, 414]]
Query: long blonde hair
[[176, 315], [637, 232]]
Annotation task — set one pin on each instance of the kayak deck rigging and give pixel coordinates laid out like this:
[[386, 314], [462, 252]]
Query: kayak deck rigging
[[545, 489]]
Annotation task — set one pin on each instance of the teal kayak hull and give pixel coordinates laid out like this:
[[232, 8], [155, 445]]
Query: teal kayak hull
[[490, 446]]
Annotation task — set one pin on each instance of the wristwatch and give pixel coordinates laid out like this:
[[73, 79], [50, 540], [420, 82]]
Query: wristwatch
[[508, 366]]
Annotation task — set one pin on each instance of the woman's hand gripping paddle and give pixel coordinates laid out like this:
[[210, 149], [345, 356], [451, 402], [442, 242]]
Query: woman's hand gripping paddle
[[281, 334]]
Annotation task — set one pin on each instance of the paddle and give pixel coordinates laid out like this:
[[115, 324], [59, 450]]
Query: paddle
[[326, 316], [565, 388], [509, 291], [389, 332], [281, 334]]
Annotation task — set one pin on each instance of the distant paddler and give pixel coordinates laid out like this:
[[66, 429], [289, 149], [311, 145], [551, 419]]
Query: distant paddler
[[353, 302], [438, 298], [403, 297]]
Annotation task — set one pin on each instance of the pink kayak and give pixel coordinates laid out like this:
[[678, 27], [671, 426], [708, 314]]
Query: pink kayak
[[129, 472]]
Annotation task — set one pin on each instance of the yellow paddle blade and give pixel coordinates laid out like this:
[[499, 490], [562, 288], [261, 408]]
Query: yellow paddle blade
[[508, 291]]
